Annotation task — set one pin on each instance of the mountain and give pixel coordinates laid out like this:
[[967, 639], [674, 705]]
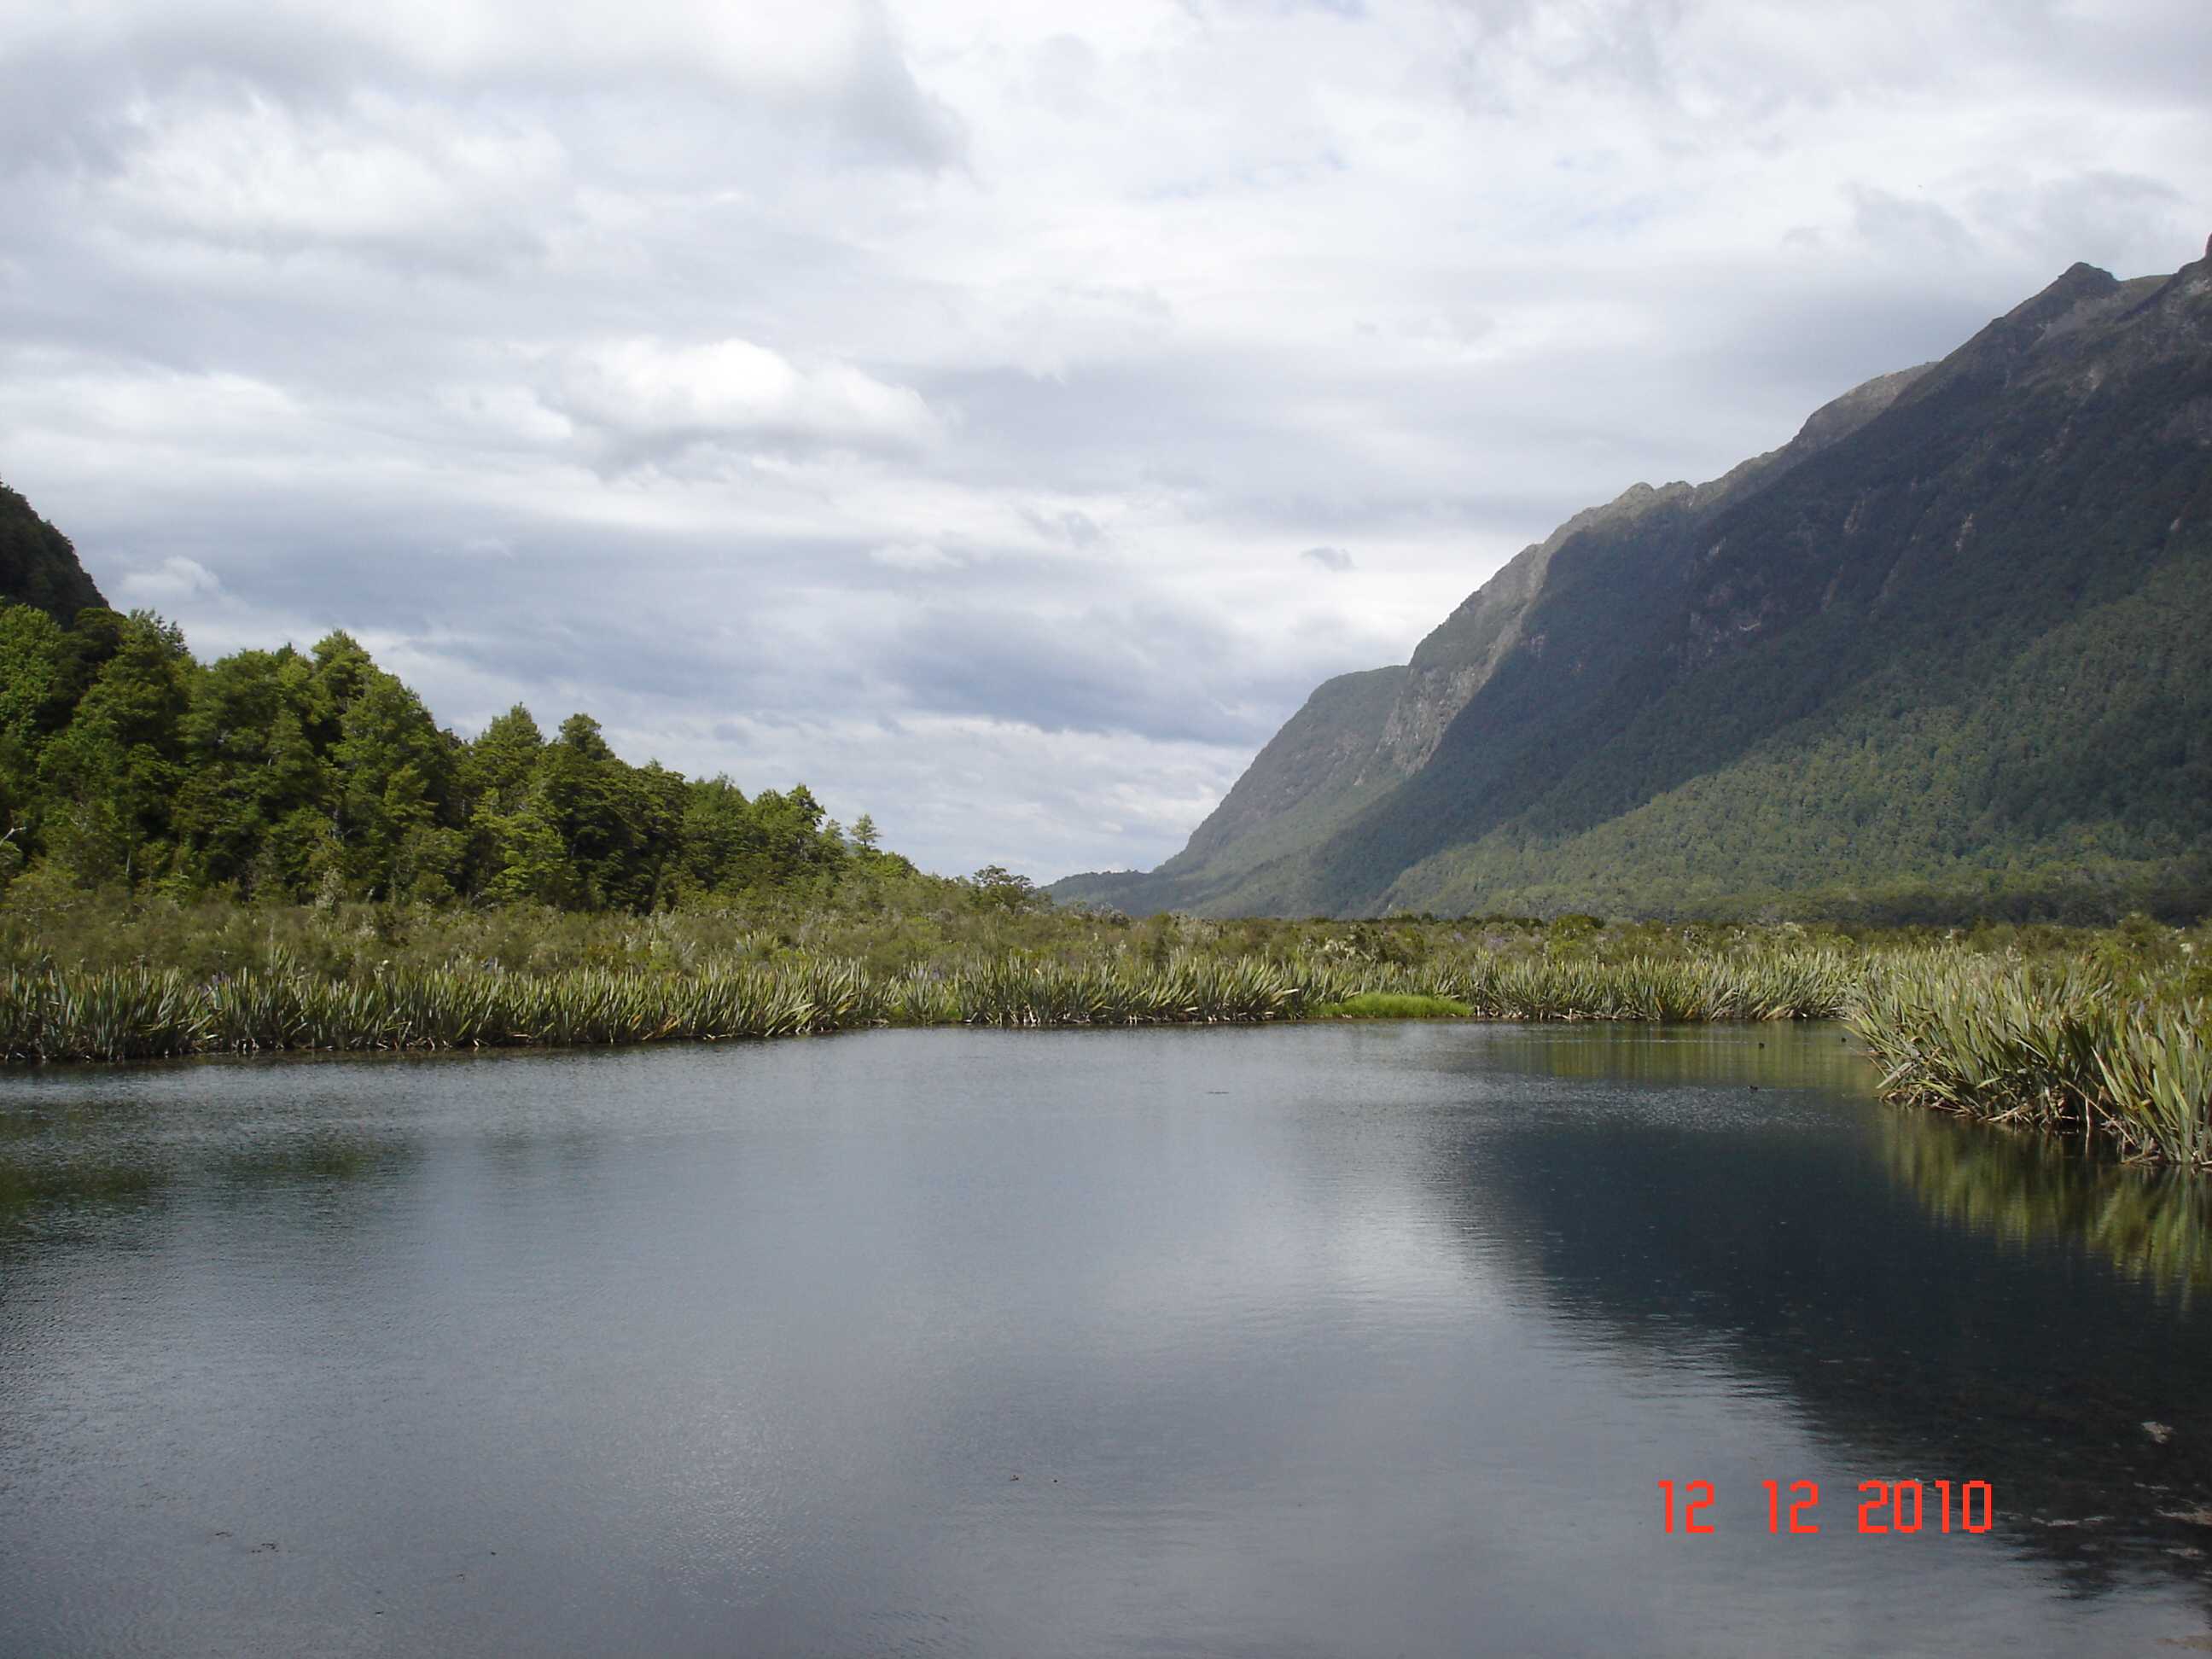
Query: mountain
[[38, 566], [1948, 651]]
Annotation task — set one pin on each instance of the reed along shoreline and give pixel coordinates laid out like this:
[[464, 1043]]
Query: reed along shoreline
[[2080, 1045]]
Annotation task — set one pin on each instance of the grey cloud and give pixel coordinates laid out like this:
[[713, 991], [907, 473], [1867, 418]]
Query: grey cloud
[[653, 400], [1351, 10], [884, 113], [1147, 671], [2127, 222], [2137, 52], [1329, 558], [1618, 40], [1896, 224], [1077, 528], [81, 101]]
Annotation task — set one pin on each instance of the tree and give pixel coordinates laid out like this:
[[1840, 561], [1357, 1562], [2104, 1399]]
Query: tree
[[34, 665], [250, 765], [719, 841], [494, 776], [320, 774], [504, 760], [111, 773], [532, 860], [395, 768], [584, 790], [795, 854], [1000, 888]]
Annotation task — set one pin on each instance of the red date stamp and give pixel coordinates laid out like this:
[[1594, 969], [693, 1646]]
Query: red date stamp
[[1884, 1506]]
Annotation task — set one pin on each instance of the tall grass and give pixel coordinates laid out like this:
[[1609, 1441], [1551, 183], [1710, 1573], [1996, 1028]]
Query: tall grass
[[2079, 1049], [132, 1013], [2099, 1037]]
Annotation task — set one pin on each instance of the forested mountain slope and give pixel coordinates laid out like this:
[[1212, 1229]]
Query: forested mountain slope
[[1949, 650], [38, 566]]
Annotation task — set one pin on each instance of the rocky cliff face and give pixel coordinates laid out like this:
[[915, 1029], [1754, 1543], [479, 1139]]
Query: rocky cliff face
[[1569, 733]]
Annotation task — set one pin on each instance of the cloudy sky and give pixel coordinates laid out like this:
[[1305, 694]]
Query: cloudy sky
[[998, 416]]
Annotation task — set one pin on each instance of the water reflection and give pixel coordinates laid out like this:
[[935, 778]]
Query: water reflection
[[2154, 1225], [1326, 1340], [1779, 1055], [79, 1162], [1837, 1254]]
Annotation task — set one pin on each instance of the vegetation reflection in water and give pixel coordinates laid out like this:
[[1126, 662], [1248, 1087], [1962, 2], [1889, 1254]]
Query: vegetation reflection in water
[[1860, 1262], [2153, 1221], [2154, 1225]]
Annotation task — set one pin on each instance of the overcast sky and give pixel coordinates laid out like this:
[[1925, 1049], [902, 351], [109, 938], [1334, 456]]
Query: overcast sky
[[998, 415]]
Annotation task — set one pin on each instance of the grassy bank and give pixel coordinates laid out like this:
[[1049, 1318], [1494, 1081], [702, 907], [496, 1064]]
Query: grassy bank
[[2095, 1036], [2070, 1048], [141, 1012]]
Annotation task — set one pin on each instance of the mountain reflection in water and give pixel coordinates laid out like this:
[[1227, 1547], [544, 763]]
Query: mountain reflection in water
[[1346, 1340], [1736, 1226]]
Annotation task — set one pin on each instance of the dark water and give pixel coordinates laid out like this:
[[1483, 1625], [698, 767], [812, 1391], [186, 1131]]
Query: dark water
[[1338, 1340]]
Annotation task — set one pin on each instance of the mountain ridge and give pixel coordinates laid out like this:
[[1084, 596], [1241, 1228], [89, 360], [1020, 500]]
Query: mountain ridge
[[1922, 532]]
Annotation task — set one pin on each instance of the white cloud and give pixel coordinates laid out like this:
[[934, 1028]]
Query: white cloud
[[374, 171], [647, 394]]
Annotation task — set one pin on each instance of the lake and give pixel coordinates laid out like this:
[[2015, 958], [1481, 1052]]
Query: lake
[[1323, 1339]]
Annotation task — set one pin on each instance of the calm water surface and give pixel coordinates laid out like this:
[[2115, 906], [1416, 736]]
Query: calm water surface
[[1326, 1340]]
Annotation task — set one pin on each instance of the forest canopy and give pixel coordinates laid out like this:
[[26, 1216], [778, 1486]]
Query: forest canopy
[[318, 776]]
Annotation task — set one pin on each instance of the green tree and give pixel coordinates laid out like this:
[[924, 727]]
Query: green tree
[[531, 861], [795, 853], [1000, 888], [504, 760], [317, 773], [36, 663], [396, 782], [34, 671], [250, 765], [719, 842], [112, 775]]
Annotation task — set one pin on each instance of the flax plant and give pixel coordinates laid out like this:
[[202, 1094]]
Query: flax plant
[[2074, 1050], [2103, 1041]]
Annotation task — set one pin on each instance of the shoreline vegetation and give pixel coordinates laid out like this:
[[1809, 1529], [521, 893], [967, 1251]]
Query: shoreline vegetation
[[2097, 1037], [281, 850]]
